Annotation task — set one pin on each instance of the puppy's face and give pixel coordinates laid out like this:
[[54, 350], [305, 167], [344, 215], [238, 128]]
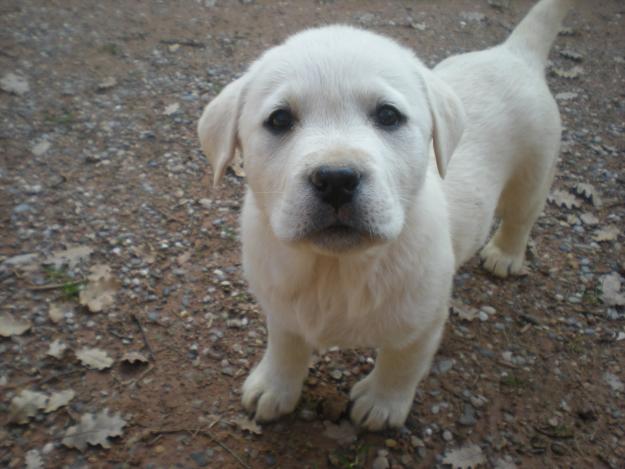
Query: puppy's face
[[334, 127]]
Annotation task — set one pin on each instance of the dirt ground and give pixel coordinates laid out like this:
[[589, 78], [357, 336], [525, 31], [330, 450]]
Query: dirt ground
[[98, 152]]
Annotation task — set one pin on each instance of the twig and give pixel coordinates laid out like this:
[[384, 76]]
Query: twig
[[48, 379], [56, 286], [206, 433], [183, 42], [508, 364], [138, 378], [145, 337]]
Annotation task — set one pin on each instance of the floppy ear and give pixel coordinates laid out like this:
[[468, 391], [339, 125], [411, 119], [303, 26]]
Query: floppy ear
[[219, 126], [448, 119]]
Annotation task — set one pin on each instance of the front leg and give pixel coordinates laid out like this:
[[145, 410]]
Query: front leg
[[274, 386], [384, 397]]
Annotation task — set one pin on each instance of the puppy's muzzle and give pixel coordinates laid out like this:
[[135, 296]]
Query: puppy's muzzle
[[335, 186]]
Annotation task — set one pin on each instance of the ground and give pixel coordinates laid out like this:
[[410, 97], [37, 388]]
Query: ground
[[98, 111]]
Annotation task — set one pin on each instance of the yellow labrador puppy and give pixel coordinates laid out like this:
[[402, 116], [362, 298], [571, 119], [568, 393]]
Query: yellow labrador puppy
[[356, 215]]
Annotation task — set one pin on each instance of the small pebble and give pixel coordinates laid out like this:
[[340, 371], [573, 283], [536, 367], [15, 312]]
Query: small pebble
[[390, 443]]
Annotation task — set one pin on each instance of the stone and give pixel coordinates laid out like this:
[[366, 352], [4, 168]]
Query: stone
[[468, 416]]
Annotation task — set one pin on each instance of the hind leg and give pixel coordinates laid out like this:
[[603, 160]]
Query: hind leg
[[519, 207]]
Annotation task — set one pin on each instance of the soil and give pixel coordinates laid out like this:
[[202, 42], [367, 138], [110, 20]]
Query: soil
[[101, 152]]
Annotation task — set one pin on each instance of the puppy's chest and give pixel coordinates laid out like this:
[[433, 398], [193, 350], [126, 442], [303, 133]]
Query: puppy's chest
[[337, 309]]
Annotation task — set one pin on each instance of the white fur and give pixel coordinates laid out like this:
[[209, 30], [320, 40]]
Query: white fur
[[388, 286]]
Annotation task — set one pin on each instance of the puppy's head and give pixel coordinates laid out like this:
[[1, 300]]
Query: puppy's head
[[335, 127]]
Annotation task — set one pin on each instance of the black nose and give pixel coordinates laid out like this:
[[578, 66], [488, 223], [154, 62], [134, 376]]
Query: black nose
[[335, 186]]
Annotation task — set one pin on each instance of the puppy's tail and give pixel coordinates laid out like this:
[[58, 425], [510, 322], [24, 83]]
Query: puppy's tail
[[533, 37]]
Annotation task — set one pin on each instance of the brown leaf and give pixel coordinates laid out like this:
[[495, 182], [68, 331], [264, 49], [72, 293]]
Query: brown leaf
[[33, 460], [58, 400], [99, 293], [70, 257], [26, 405], [247, 425], [94, 430], [569, 74], [94, 358], [588, 192], [467, 457], [57, 311], [57, 349], [182, 259], [237, 166], [11, 326], [463, 311], [608, 233], [589, 219], [344, 433], [134, 357], [564, 199], [611, 290]]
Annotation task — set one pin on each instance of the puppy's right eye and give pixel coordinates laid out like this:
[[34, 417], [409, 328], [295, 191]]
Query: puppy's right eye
[[280, 121]]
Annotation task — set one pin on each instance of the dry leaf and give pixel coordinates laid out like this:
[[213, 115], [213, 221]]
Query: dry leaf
[[11, 326], [467, 457], [58, 400], [344, 433], [611, 290], [589, 219], [56, 312], [504, 464], [572, 219], [56, 349], [171, 109], [570, 74], [26, 405], [134, 357], [608, 233], [94, 358], [14, 84], [100, 290], [24, 262], [70, 257], [237, 166], [566, 96], [40, 148], [107, 83], [94, 430], [33, 460], [247, 425], [572, 55], [588, 192], [564, 199], [463, 311], [182, 259]]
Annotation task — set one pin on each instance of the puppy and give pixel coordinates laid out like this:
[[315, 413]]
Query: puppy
[[356, 215]]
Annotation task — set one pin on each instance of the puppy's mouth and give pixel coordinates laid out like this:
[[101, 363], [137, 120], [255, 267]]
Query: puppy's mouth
[[338, 237]]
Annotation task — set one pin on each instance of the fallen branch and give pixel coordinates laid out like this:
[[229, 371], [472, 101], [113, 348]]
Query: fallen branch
[[56, 286], [42, 380], [207, 433], [183, 42], [145, 337]]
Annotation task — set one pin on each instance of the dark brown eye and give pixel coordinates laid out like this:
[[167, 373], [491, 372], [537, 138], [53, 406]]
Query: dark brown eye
[[280, 121], [388, 117]]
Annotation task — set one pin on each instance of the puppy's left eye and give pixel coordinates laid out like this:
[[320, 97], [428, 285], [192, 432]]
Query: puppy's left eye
[[388, 117]]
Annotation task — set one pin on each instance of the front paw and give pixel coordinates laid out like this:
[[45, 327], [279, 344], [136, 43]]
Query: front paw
[[268, 395], [375, 409], [500, 263]]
